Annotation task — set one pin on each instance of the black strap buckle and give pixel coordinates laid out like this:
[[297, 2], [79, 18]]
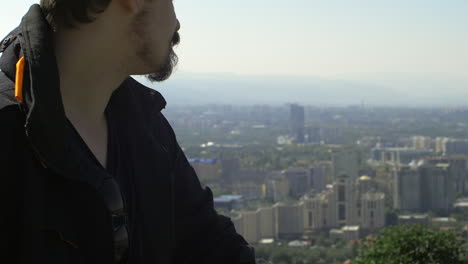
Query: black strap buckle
[[10, 38], [119, 220]]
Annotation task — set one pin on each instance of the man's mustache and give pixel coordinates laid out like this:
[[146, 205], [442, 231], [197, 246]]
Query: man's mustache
[[175, 39]]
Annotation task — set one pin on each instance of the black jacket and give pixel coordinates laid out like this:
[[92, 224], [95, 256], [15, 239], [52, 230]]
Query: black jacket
[[56, 209]]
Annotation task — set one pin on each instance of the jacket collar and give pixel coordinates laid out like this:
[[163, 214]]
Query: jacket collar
[[45, 115]]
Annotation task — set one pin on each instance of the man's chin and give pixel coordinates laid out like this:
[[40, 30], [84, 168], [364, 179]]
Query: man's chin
[[166, 71], [158, 77]]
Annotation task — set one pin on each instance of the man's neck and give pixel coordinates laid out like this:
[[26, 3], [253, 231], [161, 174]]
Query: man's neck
[[89, 73], [90, 69]]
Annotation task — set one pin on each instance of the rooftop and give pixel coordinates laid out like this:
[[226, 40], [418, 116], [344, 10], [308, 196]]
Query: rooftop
[[462, 204], [227, 198], [336, 232], [422, 216], [365, 178], [204, 161], [443, 165], [267, 241], [351, 228], [443, 219]]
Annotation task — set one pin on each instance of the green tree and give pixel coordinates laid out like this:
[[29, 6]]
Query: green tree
[[415, 244], [283, 255]]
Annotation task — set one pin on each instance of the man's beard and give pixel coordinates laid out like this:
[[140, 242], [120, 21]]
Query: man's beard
[[171, 61]]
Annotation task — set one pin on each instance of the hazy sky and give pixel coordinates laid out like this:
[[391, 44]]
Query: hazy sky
[[325, 38]]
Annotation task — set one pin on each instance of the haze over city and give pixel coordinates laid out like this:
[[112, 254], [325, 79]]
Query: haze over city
[[325, 130], [315, 52]]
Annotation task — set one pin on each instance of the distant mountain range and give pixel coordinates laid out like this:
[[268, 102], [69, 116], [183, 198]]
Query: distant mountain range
[[377, 90]]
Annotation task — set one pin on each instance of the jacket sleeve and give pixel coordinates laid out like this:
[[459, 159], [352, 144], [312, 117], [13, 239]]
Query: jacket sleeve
[[202, 235], [11, 142]]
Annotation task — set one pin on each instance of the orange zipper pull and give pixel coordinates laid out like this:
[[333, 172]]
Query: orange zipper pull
[[19, 80]]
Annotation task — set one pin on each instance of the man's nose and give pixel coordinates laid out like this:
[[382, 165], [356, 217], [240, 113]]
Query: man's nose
[[178, 25]]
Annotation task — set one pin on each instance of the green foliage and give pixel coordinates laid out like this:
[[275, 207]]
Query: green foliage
[[309, 255], [461, 216], [218, 191], [266, 157], [415, 244]]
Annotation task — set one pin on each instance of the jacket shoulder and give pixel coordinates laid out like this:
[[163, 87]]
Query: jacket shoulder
[[7, 93], [10, 49], [8, 39]]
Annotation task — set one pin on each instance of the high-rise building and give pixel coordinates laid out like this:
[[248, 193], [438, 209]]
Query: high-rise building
[[318, 180], [425, 187], [238, 223], [282, 221], [366, 184], [372, 210], [345, 203], [399, 155], [345, 163], [331, 208], [297, 123], [320, 212], [314, 216], [248, 189], [250, 227], [257, 225], [277, 188], [332, 135], [289, 220], [437, 192], [440, 144], [313, 134], [407, 196], [346, 197], [298, 180], [230, 168], [421, 142], [267, 222], [458, 170], [456, 147]]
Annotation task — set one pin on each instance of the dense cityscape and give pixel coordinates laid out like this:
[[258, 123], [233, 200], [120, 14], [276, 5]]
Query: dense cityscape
[[315, 181]]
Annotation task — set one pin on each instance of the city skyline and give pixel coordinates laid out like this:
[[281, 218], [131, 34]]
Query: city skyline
[[327, 178]]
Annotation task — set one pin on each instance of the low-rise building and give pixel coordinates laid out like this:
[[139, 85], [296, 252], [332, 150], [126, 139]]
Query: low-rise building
[[461, 205], [351, 233], [422, 219], [208, 170], [346, 233], [228, 202]]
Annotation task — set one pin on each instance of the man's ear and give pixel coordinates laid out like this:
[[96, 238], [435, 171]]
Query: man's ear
[[132, 6]]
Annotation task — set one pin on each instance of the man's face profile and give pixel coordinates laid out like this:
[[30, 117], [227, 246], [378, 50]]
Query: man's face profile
[[155, 31]]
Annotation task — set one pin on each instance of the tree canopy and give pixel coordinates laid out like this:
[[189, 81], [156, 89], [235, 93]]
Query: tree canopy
[[415, 244]]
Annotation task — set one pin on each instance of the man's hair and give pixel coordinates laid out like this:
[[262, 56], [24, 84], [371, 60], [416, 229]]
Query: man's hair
[[70, 13]]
